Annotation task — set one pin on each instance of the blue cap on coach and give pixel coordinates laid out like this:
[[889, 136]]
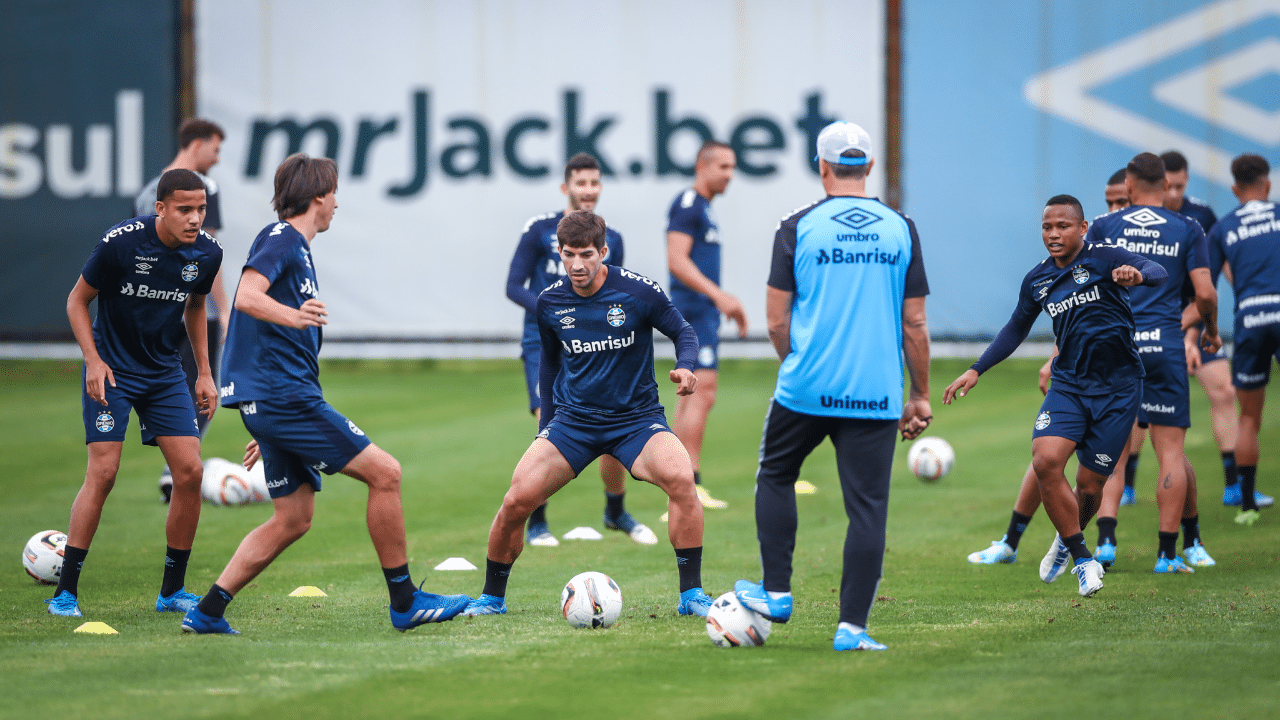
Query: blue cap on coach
[[838, 138]]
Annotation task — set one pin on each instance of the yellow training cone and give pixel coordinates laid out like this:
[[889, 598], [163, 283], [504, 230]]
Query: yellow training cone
[[308, 591], [97, 628]]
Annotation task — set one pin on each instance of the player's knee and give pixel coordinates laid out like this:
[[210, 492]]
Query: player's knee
[[186, 473], [1044, 465], [293, 525]]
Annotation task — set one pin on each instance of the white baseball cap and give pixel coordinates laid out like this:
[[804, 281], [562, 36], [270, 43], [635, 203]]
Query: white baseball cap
[[839, 137]]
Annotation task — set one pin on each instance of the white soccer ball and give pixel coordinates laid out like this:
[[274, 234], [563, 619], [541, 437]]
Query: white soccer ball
[[42, 557], [591, 600], [732, 624], [930, 458], [228, 483]]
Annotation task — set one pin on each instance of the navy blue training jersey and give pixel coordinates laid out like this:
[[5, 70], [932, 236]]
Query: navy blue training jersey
[[691, 214], [263, 360], [1092, 321], [1175, 241], [1199, 211], [1249, 239], [143, 287], [597, 352], [537, 263]]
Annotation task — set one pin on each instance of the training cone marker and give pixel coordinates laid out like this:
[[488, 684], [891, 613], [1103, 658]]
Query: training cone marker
[[804, 487], [308, 591], [97, 628], [456, 564], [583, 533]]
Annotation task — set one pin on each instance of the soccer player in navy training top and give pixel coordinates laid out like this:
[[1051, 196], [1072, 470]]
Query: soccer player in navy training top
[[535, 266], [272, 375], [150, 276], [1178, 244], [693, 257], [846, 307], [599, 397], [1097, 374], [1246, 244]]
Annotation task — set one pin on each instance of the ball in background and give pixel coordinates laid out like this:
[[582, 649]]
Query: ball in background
[[591, 600], [732, 624], [229, 483], [42, 556], [930, 458]]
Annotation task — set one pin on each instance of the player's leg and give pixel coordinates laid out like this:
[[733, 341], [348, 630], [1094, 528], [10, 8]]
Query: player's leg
[[1171, 494], [538, 532], [1214, 375], [1005, 550], [1192, 548], [788, 438], [1247, 450], [616, 517], [86, 513], [1130, 492], [1113, 494], [690, 425], [182, 456], [864, 459]]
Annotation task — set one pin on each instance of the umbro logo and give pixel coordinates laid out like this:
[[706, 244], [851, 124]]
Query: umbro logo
[[1104, 459], [1143, 217], [144, 268], [567, 321], [857, 218]]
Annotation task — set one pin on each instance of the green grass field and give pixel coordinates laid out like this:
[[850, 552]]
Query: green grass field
[[964, 641]]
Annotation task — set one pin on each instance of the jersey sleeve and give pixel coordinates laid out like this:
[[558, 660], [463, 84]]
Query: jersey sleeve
[[1153, 273], [522, 265], [269, 257], [1197, 255], [617, 250], [145, 203], [548, 369], [1014, 332], [215, 257], [103, 266], [213, 209], [917, 284], [686, 216], [1217, 253], [782, 270]]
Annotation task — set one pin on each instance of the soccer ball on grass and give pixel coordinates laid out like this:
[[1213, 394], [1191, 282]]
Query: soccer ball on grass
[[732, 624], [591, 600], [42, 556]]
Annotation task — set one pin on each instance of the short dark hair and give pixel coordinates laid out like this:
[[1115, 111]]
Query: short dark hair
[[849, 172], [175, 180], [1248, 169], [708, 147], [581, 161], [1067, 200], [194, 129], [1174, 161], [1147, 167], [581, 228], [1117, 177], [301, 178]]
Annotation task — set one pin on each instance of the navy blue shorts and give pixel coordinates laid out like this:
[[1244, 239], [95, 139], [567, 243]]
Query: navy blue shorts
[[581, 440], [163, 406], [705, 319], [1099, 424], [1166, 389], [1257, 339], [531, 357], [300, 440]]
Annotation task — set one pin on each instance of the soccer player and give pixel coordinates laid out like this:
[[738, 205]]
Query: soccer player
[[200, 142], [1097, 374], [535, 266], [599, 397], [1246, 244], [272, 376], [1116, 193], [150, 276], [1178, 244], [693, 257], [844, 310]]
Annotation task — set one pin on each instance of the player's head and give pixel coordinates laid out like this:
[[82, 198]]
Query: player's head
[[1144, 175], [202, 141], [303, 181], [1175, 175], [1252, 175], [1116, 193], [581, 235], [714, 167], [1062, 228], [844, 151], [180, 206], [582, 182]]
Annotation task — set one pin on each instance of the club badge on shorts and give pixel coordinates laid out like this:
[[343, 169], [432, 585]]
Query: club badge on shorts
[[105, 423], [1042, 421]]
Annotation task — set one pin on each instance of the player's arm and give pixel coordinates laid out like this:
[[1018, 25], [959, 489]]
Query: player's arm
[[198, 332], [521, 271], [96, 373], [777, 310], [1131, 269], [682, 267], [548, 369], [1008, 340], [253, 300], [916, 414], [1046, 371], [669, 321]]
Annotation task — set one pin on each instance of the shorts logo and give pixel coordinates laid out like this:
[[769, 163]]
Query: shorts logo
[[105, 423], [249, 408], [1103, 459], [707, 356], [567, 322], [1080, 275], [657, 426], [355, 429], [616, 316], [1042, 421], [320, 465], [190, 271], [272, 484], [545, 433]]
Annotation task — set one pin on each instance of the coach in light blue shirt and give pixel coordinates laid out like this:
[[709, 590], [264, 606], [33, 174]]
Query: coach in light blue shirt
[[845, 305]]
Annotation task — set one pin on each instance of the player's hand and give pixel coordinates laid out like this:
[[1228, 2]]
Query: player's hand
[[1046, 372], [732, 309], [251, 454], [311, 314], [961, 386], [1210, 341], [1191, 349], [1127, 276], [206, 396], [916, 416], [96, 377], [686, 380]]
